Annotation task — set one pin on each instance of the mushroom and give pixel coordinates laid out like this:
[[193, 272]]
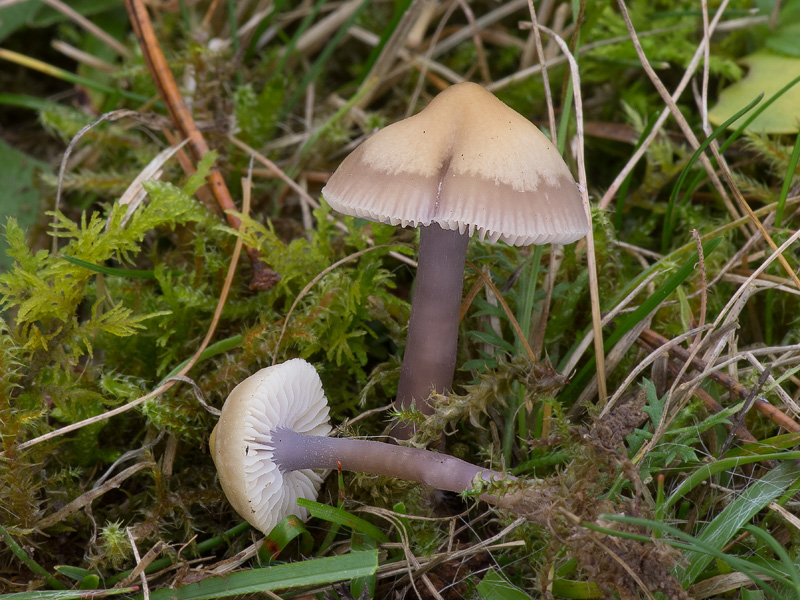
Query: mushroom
[[271, 436], [465, 163]]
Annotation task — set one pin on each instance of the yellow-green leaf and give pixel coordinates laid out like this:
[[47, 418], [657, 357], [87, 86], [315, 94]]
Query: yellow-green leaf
[[768, 73]]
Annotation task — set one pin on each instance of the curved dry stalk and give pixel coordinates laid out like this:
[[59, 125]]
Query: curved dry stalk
[[594, 290], [521, 336]]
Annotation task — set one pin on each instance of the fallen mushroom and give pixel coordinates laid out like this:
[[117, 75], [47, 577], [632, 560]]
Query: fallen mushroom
[[271, 436], [465, 163]]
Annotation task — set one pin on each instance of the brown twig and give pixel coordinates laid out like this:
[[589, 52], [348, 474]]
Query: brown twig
[[263, 277], [654, 340]]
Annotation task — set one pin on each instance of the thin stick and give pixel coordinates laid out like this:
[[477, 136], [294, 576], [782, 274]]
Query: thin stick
[[263, 277], [594, 290]]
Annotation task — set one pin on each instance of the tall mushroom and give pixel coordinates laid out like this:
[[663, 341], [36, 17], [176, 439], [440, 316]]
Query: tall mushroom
[[272, 434], [465, 163]]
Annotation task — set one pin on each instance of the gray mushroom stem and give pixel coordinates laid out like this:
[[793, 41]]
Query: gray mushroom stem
[[293, 451], [432, 340]]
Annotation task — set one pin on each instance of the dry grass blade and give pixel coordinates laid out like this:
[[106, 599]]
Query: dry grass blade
[[145, 587], [87, 498], [655, 340], [743, 203], [304, 196], [615, 355], [611, 192], [135, 193], [594, 290], [675, 111], [655, 353], [392, 50], [141, 563], [82, 57], [114, 115], [543, 63], [704, 283], [521, 336], [86, 24]]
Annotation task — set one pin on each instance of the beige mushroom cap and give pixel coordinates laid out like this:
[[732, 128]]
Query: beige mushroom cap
[[287, 395], [467, 162]]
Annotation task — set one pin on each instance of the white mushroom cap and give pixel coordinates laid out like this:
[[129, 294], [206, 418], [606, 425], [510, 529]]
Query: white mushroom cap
[[467, 162], [287, 395]]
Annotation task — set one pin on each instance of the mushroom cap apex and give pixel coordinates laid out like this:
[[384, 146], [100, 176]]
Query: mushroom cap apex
[[469, 163], [286, 395]]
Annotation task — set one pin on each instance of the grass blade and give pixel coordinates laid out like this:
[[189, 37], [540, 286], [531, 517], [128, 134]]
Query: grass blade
[[691, 543], [709, 470], [136, 273], [22, 555], [734, 516], [787, 181], [342, 517], [317, 571], [70, 594], [669, 218], [494, 586]]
